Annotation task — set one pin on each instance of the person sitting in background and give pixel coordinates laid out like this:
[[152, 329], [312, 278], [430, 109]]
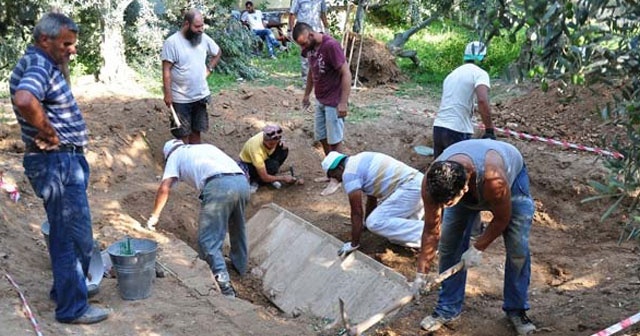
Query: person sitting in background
[[253, 19], [262, 156]]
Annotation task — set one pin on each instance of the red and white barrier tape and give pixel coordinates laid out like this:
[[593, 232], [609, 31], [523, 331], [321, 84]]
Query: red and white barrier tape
[[14, 194], [564, 144], [526, 136], [624, 324], [27, 310]]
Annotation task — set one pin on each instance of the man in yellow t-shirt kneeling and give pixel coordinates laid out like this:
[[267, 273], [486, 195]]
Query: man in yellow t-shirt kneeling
[[261, 158]]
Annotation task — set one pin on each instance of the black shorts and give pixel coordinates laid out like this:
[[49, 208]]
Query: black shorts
[[193, 118]]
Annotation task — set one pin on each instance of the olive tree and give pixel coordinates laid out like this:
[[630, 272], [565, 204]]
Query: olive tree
[[581, 43]]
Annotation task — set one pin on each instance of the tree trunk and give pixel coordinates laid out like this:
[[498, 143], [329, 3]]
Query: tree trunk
[[414, 11], [358, 22], [396, 46], [112, 47]]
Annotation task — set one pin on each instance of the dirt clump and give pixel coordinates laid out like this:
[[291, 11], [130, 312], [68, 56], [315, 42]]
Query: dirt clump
[[377, 64]]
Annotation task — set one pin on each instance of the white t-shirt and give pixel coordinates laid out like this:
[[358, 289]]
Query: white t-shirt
[[254, 19], [458, 94], [308, 11], [194, 163], [189, 70]]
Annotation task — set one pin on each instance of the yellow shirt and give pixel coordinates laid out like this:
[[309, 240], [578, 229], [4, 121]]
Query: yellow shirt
[[255, 152]]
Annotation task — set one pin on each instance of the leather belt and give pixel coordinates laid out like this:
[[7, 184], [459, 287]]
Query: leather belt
[[65, 148], [208, 179]]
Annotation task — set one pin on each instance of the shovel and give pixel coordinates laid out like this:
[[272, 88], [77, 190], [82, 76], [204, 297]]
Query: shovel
[[359, 328]]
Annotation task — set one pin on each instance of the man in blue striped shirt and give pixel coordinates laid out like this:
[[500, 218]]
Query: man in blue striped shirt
[[54, 134], [394, 204]]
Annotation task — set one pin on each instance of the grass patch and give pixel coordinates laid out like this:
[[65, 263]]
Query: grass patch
[[362, 113], [440, 48], [281, 72], [218, 82]]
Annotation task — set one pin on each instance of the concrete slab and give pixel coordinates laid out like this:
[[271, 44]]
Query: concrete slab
[[303, 274]]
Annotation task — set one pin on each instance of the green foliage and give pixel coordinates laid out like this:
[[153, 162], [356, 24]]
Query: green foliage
[[144, 34], [17, 19], [88, 60], [586, 42], [361, 113], [237, 44], [218, 82], [283, 71], [440, 47], [392, 13]]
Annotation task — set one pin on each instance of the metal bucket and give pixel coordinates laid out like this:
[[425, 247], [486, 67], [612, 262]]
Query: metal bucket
[[96, 266], [134, 261]]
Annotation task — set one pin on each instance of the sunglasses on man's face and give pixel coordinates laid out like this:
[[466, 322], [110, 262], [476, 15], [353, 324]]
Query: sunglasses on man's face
[[272, 133]]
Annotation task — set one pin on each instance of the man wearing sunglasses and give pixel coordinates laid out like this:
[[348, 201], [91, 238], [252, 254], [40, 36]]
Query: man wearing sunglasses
[[262, 156]]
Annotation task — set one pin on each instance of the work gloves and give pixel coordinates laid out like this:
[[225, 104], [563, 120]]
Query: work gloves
[[489, 134], [346, 249], [472, 257], [417, 286], [151, 222]]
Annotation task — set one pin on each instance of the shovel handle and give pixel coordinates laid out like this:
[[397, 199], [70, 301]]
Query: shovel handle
[[176, 120], [368, 323]]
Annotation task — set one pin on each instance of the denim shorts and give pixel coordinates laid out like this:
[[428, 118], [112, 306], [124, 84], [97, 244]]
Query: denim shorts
[[327, 124], [193, 118]]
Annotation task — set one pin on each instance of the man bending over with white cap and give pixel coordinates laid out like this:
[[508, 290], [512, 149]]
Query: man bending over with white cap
[[394, 207], [224, 193]]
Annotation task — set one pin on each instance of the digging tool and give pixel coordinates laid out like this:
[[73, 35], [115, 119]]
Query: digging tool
[[371, 321], [176, 120], [299, 180]]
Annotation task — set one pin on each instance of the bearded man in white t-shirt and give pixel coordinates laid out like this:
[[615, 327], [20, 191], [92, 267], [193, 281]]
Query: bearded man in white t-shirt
[[188, 58], [461, 87]]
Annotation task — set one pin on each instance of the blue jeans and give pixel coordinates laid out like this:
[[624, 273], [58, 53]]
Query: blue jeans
[[223, 200], [444, 137], [456, 230], [269, 38], [61, 180]]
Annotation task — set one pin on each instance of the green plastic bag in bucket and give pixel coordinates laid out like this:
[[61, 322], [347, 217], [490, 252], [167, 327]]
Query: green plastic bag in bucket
[[134, 261]]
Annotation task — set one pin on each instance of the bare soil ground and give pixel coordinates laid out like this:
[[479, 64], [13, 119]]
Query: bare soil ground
[[582, 280]]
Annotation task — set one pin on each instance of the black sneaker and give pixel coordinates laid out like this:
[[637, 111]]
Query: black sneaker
[[522, 323], [225, 286]]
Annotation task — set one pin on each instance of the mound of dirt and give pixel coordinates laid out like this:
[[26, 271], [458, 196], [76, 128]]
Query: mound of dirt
[[377, 66], [571, 114]]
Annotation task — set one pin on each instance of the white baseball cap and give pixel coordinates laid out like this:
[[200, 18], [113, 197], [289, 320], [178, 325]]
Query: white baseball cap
[[170, 145], [332, 160], [475, 51]]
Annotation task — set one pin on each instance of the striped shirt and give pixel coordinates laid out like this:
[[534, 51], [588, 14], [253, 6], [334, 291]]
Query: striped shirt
[[37, 73], [376, 174]]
